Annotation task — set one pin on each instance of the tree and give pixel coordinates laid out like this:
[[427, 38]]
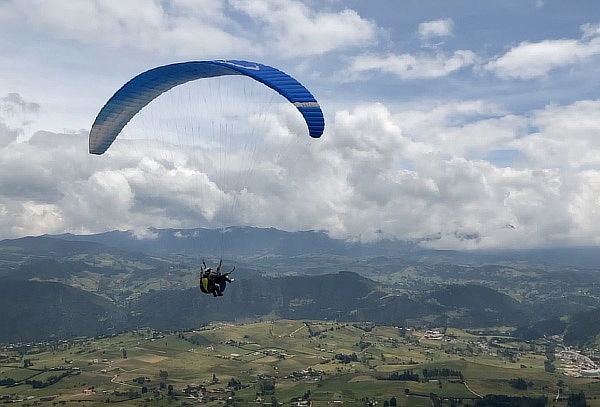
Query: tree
[[144, 390], [393, 402], [520, 383], [124, 353], [548, 366], [7, 382], [163, 375], [265, 386], [407, 375], [577, 400], [234, 384]]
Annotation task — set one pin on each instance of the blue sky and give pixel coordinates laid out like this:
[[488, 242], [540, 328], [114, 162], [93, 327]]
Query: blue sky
[[45, 58], [445, 118]]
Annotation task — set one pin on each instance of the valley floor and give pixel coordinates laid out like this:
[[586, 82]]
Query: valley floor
[[285, 362]]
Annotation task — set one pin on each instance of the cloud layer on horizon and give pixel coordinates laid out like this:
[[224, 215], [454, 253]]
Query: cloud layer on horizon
[[378, 172]]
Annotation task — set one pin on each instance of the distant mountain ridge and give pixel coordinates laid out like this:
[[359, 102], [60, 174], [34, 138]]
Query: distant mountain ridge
[[53, 245], [241, 241], [244, 241]]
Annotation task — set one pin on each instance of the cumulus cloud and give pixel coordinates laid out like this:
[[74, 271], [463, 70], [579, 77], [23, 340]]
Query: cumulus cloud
[[429, 64], [294, 29], [466, 129], [15, 113], [14, 103], [566, 136], [377, 172], [176, 26], [7, 135], [590, 30], [408, 66], [436, 29], [191, 28], [536, 59]]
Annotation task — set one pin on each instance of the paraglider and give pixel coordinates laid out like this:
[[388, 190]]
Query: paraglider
[[212, 281], [140, 91], [147, 86]]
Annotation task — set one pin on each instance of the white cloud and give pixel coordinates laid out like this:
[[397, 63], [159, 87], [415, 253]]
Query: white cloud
[[189, 28], [182, 27], [295, 30], [536, 59], [408, 66], [7, 135], [13, 103], [436, 29], [408, 174], [590, 30], [465, 129], [567, 136], [15, 114]]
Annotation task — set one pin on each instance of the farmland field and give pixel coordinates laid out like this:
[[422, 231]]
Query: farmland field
[[328, 363]]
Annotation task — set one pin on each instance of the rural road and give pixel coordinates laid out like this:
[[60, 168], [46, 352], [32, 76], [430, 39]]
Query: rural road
[[292, 334], [472, 391], [114, 379]]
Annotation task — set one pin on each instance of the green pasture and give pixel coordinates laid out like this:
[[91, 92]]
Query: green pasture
[[276, 349]]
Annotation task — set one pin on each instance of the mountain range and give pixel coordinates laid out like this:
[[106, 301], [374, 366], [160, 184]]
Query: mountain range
[[113, 281], [255, 242]]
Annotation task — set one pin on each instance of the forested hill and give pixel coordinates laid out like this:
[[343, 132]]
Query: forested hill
[[583, 327], [342, 296], [35, 310]]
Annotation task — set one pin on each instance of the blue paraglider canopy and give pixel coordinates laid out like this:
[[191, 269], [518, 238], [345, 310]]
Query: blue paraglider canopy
[[147, 86]]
